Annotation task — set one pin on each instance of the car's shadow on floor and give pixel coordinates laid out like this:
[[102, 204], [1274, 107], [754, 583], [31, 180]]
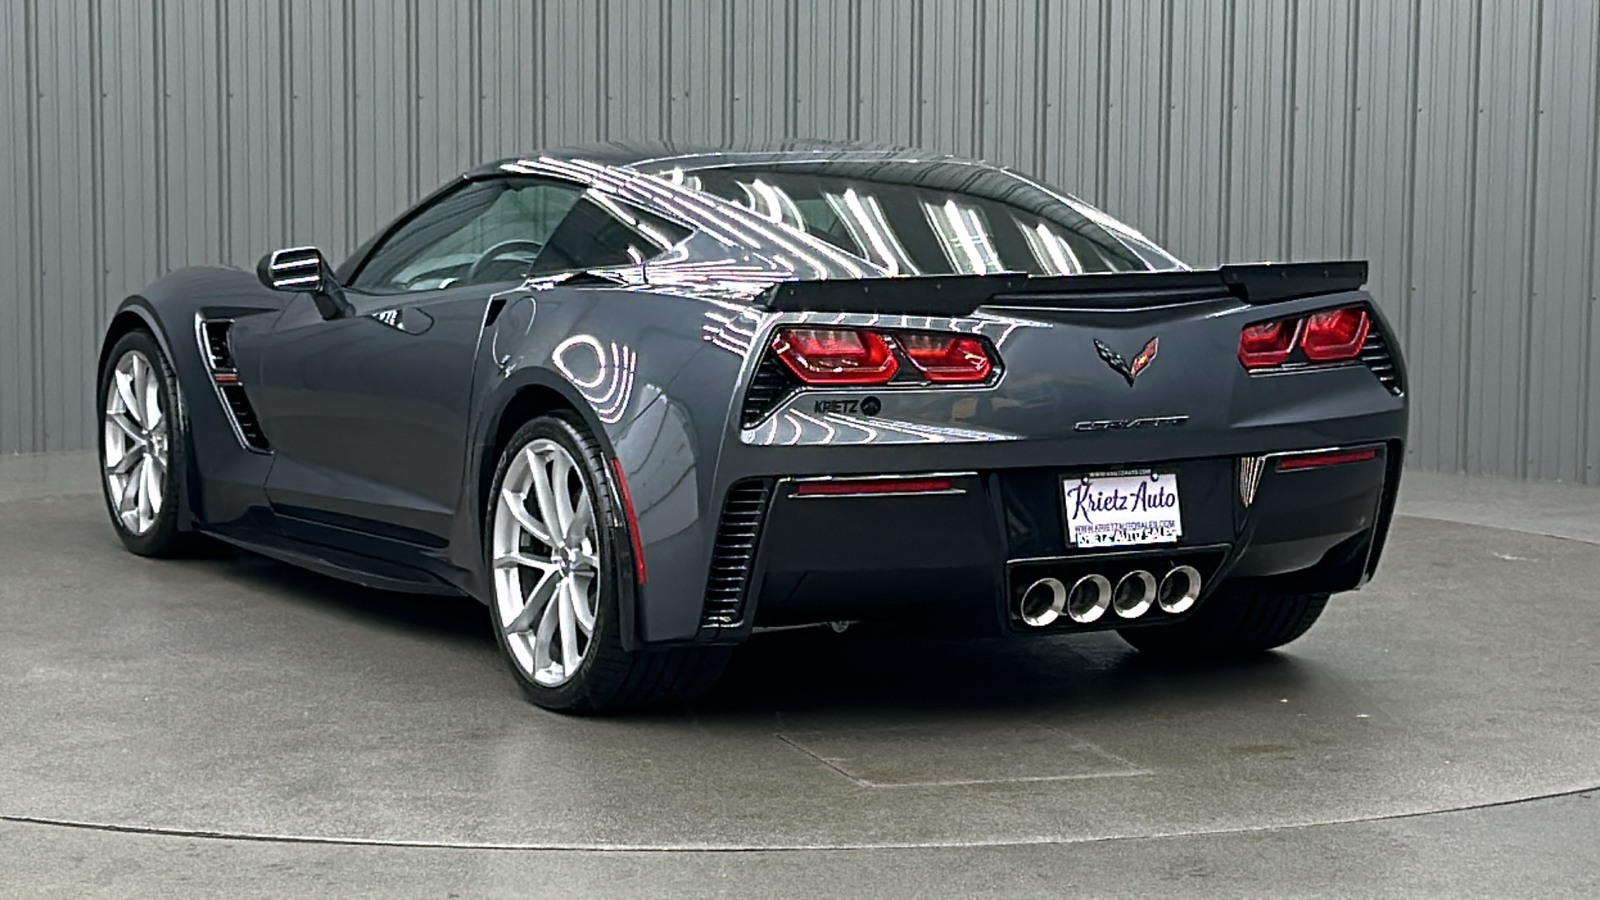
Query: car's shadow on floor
[[881, 669], [873, 668], [455, 618]]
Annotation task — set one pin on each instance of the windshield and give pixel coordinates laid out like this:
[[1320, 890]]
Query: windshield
[[940, 218]]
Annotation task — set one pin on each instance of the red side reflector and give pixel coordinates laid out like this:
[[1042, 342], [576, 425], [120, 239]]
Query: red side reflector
[[225, 377], [1331, 458], [837, 356], [633, 521], [1335, 334], [1267, 344], [948, 358], [873, 486]]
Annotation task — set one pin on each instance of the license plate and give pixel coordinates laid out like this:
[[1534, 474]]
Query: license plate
[[1122, 510]]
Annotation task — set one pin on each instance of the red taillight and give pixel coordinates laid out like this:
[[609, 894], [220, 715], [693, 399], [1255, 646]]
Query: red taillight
[[1268, 344], [1335, 334], [948, 358], [1327, 458], [836, 355], [869, 486]]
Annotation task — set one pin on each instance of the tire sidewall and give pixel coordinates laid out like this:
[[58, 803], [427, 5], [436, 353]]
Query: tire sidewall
[[164, 534], [579, 691]]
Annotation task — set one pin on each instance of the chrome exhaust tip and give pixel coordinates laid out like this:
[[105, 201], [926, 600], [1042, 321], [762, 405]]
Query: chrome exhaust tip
[[1088, 599], [1179, 589], [1134, 594], [1042, 602]]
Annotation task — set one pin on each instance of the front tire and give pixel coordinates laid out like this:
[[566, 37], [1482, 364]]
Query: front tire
[[143, 447], [556, 570], [1232, 623]]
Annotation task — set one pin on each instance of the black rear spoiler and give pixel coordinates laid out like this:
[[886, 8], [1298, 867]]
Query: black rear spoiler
[[960, 295]]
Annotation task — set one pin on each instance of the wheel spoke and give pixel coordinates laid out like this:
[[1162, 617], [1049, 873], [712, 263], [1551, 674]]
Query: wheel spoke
[[537, 603], [542, 491], [581, 609], [153, 485], [514, 558], [560, 475], [141, 491], [516, 503], [130, 458], [581, 519], [129, 494], [152, 401], [124, 385], [126, 426], [569, 631], [543, 636]]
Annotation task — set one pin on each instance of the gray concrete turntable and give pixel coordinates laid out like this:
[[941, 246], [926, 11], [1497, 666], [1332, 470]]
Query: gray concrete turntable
[[232, 725]]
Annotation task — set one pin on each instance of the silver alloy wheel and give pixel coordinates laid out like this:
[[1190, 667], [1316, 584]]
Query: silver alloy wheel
[[546, 562], [136, 443]]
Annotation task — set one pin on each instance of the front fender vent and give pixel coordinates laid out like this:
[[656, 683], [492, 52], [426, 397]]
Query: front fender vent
[[214, 341], [734, 554], [216, 347]]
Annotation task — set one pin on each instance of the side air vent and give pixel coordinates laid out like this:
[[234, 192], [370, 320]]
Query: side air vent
[[769, 386], [244, 417], [733, 557], [216, 346], [1375, 355], [214, 338]]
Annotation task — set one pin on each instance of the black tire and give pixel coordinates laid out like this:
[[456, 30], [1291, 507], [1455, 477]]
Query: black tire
[[1232, 623], [609, 678], [165, 536]]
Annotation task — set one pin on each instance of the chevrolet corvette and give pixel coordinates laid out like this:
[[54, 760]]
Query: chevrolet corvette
[[645, 402]]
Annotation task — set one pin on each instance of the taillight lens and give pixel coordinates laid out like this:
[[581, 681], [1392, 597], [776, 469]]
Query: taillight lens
[[1268, 344], [1336, 334], [948, 358], [836, 355]]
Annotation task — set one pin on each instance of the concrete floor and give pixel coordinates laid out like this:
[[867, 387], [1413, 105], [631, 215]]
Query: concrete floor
[[233, 725]]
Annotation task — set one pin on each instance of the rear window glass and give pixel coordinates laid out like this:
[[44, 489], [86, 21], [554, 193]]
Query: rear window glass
[[928, 228]]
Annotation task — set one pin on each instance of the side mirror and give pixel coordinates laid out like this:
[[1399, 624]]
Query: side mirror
[[304, 270]]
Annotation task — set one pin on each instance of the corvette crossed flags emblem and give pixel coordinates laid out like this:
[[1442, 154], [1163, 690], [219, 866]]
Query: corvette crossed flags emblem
[[1127, 370]]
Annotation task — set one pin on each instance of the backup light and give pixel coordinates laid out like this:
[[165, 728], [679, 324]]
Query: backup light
[[836, 356], [948, 358]]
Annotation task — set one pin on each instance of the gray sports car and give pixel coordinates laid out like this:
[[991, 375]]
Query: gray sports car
[[644, 402]]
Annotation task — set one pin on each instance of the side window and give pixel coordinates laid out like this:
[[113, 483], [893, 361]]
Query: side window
[[600, 232], [485, 232]]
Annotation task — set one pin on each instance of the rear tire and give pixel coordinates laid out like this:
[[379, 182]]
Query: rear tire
[[555, 603], [1231, 624]]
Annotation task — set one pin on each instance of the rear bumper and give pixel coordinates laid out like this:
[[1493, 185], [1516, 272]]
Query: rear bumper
[[967, 554]]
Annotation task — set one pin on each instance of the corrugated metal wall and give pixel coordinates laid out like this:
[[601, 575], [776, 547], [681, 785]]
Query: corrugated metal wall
[[1455, 144]]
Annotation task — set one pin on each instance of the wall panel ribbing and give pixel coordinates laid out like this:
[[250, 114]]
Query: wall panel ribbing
[[1454, 144]]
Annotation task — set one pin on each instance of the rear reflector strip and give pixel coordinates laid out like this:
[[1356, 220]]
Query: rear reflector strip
[[633, 521], [873, 486], [1329, 458]]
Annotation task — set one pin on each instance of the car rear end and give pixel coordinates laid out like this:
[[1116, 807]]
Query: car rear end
[[1055, 454]]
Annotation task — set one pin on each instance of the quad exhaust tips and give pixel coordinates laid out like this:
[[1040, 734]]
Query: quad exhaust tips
[[1179, 589], [1043, 602], [1048, 599], [1134, 593]]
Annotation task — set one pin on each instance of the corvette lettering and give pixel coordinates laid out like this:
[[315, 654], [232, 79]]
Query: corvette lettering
[[1124, 424]]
